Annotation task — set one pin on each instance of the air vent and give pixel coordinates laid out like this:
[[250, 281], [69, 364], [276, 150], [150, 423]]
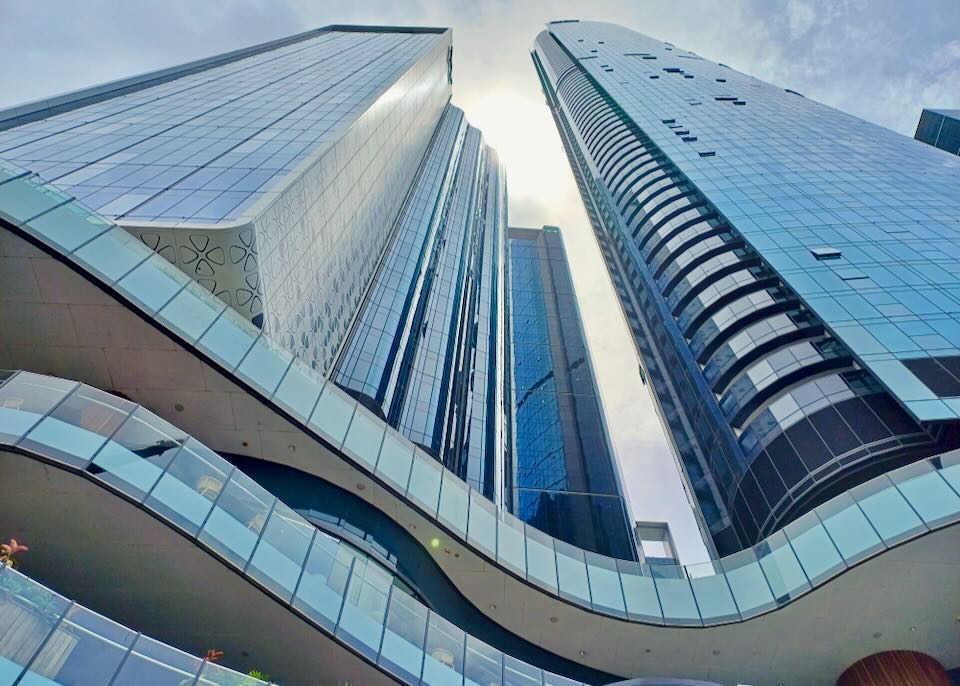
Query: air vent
[[826, 253], [851, 274]]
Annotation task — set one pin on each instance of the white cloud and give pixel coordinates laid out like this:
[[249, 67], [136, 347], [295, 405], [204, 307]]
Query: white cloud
[[800, 18]]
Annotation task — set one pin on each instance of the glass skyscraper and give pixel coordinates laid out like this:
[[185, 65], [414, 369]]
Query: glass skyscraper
[[272, 175], [283, 399], [562, 476], [788, 271], [426, 351]]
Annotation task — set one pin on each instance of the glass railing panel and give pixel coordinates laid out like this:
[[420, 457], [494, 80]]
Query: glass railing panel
[[483, 664], [298, 391], [265, 365], [849, 528], [76, 429], [396, 460], [677, 601], [332, 413], [401, 652], [782, 568], [518, 673], [572, 579], [69, 226], [281, 552], [818, 556], [9, 172], [887, 509], [134, 459], [364, 437], [454, 501], [28, 615], [154, 664], [551, 679], [443, 655], [213, 674], [153, 284], [25, 399], [84, 650], [28, 196], [482, 532], [323, 583], [639, 593], [191, 312], [237, 519], [511, 547], [424, 486], [365, 607], [748, 583], [605, 584], [228, 339], [930, 496], [112, 254], [950, 469], [185, 493], [712, 593], [541, 559]]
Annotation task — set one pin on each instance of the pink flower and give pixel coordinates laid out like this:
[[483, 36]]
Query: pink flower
[[12, 548], [213, 655]]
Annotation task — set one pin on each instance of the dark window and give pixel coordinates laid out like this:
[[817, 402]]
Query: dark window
[[864, 422], [935, 376], [838, 436], [813, 451]]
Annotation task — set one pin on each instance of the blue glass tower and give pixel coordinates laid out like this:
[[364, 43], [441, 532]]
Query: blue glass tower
[[562, 476], [788, 271], [426, 350]]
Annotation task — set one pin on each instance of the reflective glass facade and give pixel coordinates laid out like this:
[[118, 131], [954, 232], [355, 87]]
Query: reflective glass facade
[[788, 271], [426, 351], [272, 175], [562, 477], [941, 129]]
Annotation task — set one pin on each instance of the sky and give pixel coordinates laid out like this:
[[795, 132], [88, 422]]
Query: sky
[[882, 60]]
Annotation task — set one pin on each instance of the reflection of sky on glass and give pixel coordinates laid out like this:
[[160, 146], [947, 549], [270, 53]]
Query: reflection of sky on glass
[[882, 60]]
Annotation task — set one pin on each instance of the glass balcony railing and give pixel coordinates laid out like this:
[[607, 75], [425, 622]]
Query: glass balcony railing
[[127, 449], [863, 522], [46, 640]]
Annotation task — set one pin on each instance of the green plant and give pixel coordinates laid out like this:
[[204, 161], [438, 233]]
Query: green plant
[[257, 674]]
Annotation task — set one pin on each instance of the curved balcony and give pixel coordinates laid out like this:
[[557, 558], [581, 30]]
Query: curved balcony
[[331, 436], [47, 639]]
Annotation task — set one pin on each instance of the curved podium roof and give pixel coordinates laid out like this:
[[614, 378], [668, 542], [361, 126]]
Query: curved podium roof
[[883, 554]]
